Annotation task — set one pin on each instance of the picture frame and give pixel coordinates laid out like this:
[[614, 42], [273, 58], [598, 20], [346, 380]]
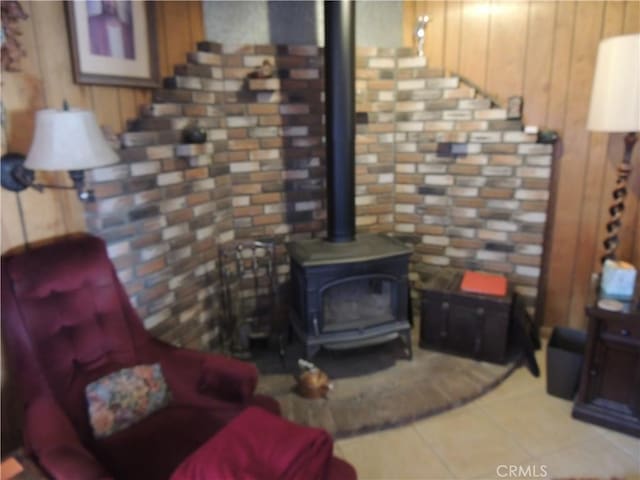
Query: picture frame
[[113, 42]]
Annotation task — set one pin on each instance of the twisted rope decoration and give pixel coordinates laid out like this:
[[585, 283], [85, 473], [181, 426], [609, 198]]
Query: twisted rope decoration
[[616, 209]]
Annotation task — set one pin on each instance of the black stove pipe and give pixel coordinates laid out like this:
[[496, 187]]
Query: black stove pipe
[[339, 27]]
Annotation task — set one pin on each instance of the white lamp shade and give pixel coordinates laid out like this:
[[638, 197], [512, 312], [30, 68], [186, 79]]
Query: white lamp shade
[[68, 140], [615, 96]]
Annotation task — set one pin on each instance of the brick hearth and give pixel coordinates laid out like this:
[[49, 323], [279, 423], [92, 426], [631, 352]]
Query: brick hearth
[[436, 165]]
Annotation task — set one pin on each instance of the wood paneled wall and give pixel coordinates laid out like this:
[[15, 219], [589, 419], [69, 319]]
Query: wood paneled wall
[[546, 52], [46, 79]]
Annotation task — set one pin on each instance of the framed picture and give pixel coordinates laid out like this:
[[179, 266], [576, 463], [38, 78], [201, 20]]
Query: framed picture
[[113, 42]]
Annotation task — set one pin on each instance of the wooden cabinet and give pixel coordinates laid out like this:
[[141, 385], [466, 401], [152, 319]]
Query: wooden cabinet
[[609, 393]]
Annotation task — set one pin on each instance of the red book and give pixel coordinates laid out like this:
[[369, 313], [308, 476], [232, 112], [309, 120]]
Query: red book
[[484, 283]]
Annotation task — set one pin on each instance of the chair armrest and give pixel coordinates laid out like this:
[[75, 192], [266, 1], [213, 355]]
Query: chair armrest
[[50, 436], [208, 374], [228, 378]]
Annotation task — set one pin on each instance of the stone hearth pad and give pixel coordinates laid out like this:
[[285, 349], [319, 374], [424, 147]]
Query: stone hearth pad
[[376, 388]]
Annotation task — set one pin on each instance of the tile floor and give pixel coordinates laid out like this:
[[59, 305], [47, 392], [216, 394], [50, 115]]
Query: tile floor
[[517, 424]]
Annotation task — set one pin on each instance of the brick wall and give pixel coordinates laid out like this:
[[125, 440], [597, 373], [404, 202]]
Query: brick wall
[[471, 189], [275, 149], [436, 165], [166, 206], [375, 143]]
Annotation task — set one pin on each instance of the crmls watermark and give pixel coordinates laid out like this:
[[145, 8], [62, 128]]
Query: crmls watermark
[[522, 471]]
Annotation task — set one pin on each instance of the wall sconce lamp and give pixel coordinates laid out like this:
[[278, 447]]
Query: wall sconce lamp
[[615, 107], [64, 140]]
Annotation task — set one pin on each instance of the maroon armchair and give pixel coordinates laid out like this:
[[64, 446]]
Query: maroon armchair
[[67, 321]]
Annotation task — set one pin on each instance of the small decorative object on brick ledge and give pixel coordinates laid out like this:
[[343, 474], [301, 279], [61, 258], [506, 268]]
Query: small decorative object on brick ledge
[[514, 108], [194, 134], [263, 71], [548, 136], [421, 31]]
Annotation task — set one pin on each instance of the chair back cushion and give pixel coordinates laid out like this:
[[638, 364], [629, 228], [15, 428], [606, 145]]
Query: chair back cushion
[[67, 321]]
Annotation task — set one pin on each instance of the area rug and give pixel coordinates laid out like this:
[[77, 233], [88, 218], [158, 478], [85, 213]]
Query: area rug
[[376, 387]]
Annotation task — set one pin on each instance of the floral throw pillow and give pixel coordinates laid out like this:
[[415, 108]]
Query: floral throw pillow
[[125, 397]]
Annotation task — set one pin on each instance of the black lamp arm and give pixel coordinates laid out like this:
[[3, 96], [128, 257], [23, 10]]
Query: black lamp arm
[[25, 177], [16, 177]]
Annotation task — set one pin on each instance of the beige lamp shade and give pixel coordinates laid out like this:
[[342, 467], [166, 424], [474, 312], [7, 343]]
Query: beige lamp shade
[[68, 140], [615, 96]]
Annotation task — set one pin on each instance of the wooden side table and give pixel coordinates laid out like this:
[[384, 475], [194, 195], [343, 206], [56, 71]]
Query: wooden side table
[[609, 392]]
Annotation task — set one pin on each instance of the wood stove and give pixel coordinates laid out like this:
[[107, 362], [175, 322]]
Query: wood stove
[[347, 295], [347, 291]]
